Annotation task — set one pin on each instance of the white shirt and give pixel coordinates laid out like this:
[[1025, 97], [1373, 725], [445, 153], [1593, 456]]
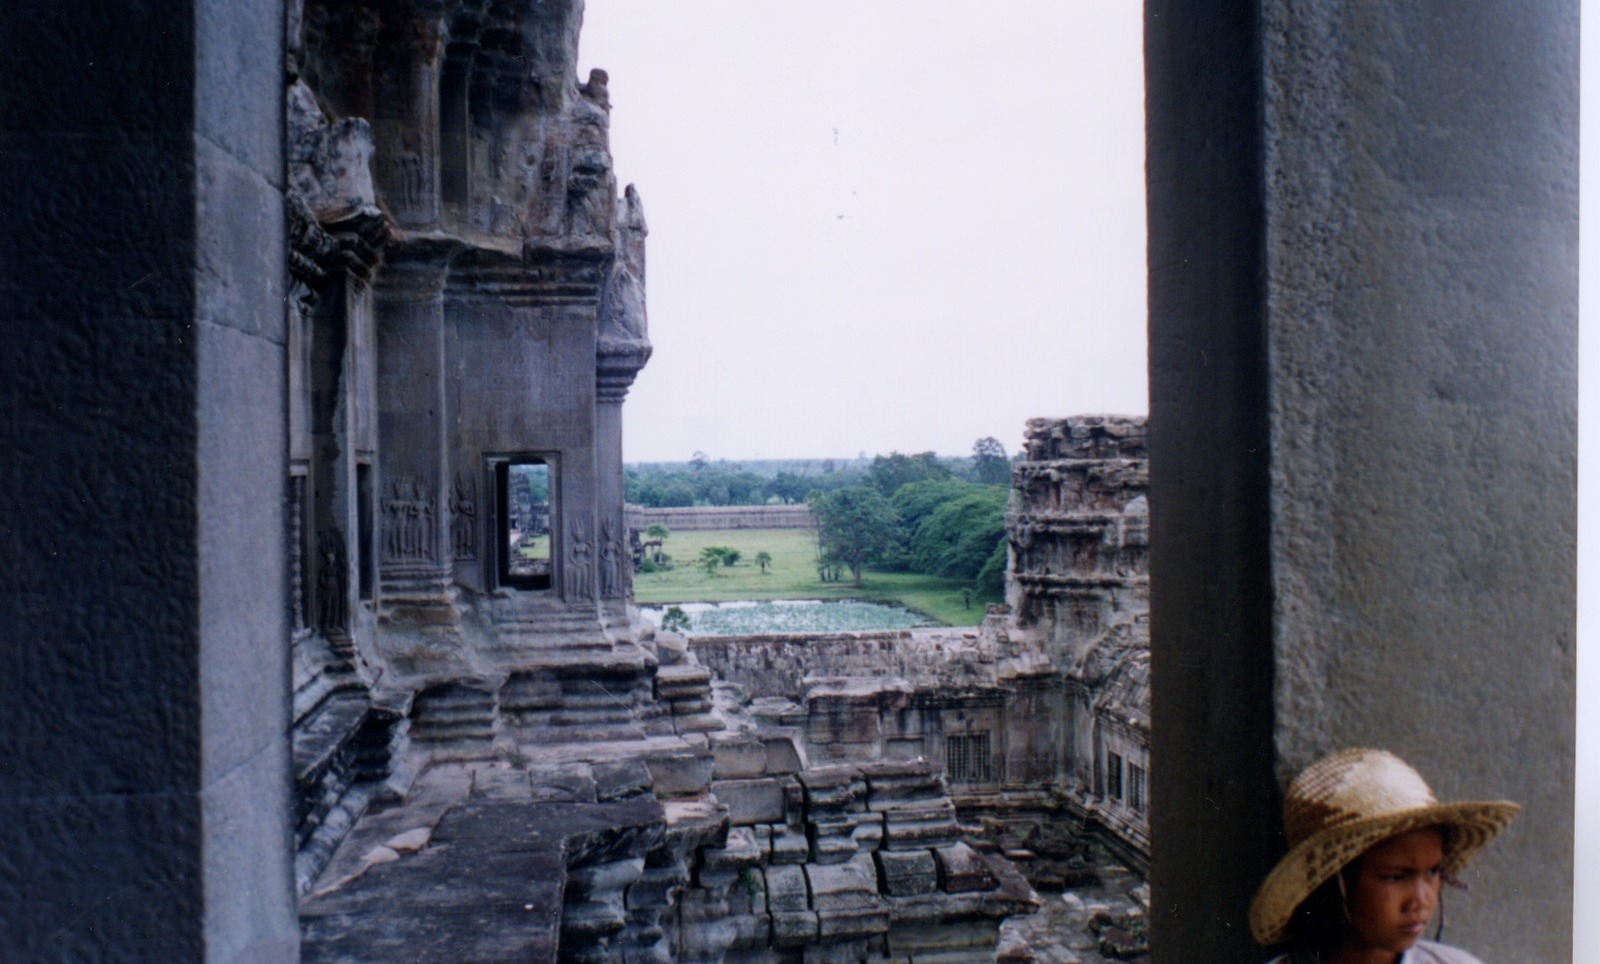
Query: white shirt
[[1425, 952]]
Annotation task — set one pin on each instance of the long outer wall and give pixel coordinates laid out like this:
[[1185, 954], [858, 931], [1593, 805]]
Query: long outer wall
[[1363, 307], [710, 517]]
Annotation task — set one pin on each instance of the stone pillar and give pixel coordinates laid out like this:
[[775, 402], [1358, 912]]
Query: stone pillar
[[1363, 303], [416, 592], [145, 788], [616, 365]]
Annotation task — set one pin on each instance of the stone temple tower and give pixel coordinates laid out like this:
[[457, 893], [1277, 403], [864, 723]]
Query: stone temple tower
[[467, 317]]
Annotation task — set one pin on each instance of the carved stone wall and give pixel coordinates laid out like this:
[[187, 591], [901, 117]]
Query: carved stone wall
[[1079, 586]]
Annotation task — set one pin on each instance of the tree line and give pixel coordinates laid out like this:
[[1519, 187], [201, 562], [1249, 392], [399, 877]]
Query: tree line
[[702, 481], [915, 513]]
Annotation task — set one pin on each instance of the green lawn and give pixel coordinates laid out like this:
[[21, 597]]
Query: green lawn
[[792, 575]]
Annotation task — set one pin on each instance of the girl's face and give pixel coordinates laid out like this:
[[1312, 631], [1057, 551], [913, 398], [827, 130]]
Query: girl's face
[[1392, 893]]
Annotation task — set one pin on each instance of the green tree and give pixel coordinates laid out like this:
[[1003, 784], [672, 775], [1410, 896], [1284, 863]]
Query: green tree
[[958, 538], [989, 463], [788, 487], [853, 526], [992, 577], [890, 472], [913, 503], [657, 530], [675, 620], [763, 559]]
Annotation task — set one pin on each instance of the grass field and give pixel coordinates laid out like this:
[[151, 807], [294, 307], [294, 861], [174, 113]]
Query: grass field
[[791, 575]]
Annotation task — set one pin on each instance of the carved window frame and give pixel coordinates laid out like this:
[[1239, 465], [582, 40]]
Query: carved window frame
[[1113, 775], [968, 757], [498, 470]]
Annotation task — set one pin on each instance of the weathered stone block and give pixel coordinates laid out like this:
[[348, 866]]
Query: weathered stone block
[[907, 874], [786, 889], [721, 866], [832, 841], [572, 783], [964, 940], [903, 784], [855, 922], [794, 928], [789, 845], [679, 772], [737, 755], [682, 681], [501, 783], [833, 789], [748, 931], [916, 828], [696, 723], [868, 834], [604, 882], [782, 757], [794, 800], [751, 801], [657, 887], [963, 870], [620, 779], [848, 885]]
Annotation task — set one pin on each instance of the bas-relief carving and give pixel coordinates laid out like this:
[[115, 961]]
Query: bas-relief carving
[[329, 162], [578, 576], [464, 517], [409, 533], [333, 584], [622, 302], [613, 564], [590, 191]]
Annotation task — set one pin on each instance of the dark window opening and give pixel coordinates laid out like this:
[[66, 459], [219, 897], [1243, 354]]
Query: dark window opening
[[1113, 776], [526, 510], [1136, 788], [967, 758]]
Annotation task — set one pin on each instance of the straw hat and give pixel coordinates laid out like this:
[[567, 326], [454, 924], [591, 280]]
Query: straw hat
[[1345, 803]]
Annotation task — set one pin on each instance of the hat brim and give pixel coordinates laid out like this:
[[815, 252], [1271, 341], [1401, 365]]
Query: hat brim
[[1317, 858]]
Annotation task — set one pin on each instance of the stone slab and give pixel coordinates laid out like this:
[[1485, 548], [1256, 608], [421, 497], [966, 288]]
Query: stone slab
[[737, 755], [907, 874], [751, 801], [963, 870]]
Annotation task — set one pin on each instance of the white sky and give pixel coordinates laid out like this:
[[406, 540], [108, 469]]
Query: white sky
[[895, 225], [906, 225]]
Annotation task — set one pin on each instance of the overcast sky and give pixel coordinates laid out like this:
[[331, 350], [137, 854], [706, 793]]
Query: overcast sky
[[894, 225]]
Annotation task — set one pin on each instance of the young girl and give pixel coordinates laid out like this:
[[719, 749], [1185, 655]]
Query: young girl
[[1369, 850]]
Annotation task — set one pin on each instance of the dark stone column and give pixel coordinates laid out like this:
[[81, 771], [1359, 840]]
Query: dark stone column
[[1212, 796], [1363, 304], [144, 763]]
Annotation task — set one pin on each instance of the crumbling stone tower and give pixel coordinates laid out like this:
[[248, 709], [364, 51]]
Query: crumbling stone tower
[[468, 314], [1079, 592]]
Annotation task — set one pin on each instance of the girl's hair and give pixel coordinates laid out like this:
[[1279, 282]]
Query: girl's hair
[[1321, 921]]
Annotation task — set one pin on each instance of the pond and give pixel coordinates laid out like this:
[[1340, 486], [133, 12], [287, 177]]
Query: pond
[[791, 616]]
